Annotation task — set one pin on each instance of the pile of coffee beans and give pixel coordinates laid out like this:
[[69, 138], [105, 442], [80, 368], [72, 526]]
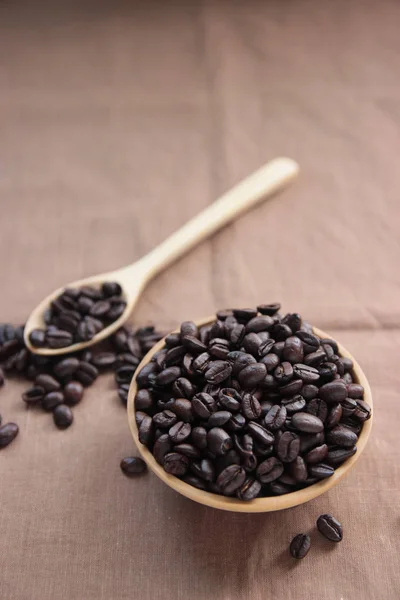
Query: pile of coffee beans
[[254, 404], [57, 384], [327, 525], [78, 314]]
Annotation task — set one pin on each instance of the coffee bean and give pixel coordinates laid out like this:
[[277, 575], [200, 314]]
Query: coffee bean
[[219, 418], [146, 430], [257, 324], [306, 373], [8, 433], [230, 399], [298, 469], [269, 309], [104, 360], [203, 405], [204, 469], [260, 434], [283, 373], [33, 395], [51, 400], [252, 375], [173, 339], [182, 407], [316, 455], [336, 456], [66, 367], [199, 437], [219, 348], [293, 350], [62, 415], [243, 315], [188, 450], [175, 463], [288, 447], [168, 376], [37, 337], [251, 407], [132, 466], [341, 436], [179, 432], [86, 373], [111, 288], [321, 470], [314, 359], [355, 390], [47, 382], [275, 418], [219, 441], [291, 389], [278, 489], [165, 419], [249, 490], [333, 392], [161, 447], [318, 408], [252, 343], [269, 470], [362, 412], [231, 479], [307, 442], [306, 422], [295, 404], [193, 344], [300, 545], [236, 422], [330, 528], [309, 391], [73, 393]]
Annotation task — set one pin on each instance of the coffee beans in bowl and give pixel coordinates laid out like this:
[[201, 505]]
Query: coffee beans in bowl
[[78, 314], [258, 409]]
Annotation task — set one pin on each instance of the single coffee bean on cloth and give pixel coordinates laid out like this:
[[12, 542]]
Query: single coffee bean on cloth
[[300, 545], [330, 528], [254, 404]]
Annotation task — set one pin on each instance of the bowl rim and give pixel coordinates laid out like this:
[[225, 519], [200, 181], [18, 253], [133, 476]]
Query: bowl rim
[[258, 505]]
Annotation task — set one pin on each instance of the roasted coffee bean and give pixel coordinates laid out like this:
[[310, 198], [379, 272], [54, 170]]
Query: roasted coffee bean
[[336, 456], [314, 359], [294, 321], [199, 437], [203, 405], [306, 373], [363, 411], [288, 447], [266, 347], [281, 332], [143, 399], [348, 407], [37, 337], [195, 482], [309, 441], [8, 433], [123, 392], [142, 378], [33, 395], [237, 335], [269, 309], [104, 360], [161, 447], [278, 348], [8, 349], [293, 350], [309, 391], [146, 430], [236, 422], [269, 470], [51, 400], [319, 408], [231, 479], [341, 436], [219, 441], [182, 407], [321, 471], [262, 451], [240, 360], [86, 373], [175, 463], [298, 469], [327, 372], [62, 415], [111, 288], [224, 314], [287, 480], [347, 363], [355, 390], [260, 434], [283, 373], [172, 340], [300, 545], [243, 315], [165, 419], [189, 328], [66, 367], [179, 432], [291, 389], [73, 393], [139, 416], [333, 392], [278, 489], [251, 407], [310, 341], [183, 388], [204, 469], [330, 528], [252, 375], [295, 404], [271, 361], [217, 371], [316, 455], [193, 344], [219, 348], [219, 418], [230, 399], [168, 376], [252, 342], [188, 450], [47, 382], [307, 423], [257, 324], [249, 490], [275, 418]]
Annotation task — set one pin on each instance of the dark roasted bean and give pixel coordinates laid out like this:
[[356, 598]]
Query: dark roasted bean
[[355, 390], [219, 418], [275, 418], [298, 469], [295, 404], [168, 376], [279, 489], [165, 419], [219, 348], [62, 415], [175, 463], [193, 344], [307, 423], [249, 489], [271, 361], [321, 471], [283, 373], [161, 447], [335, 391], [203, 405], [269, 309], [336, 456], [73, 393], [341, 436], [132, 466], [362, 411], [330, 528], [257, 324], [252, 342], [86, 374], [219, 441], [291, 389], [309, 441], [51, 400], [47, 382], [231, 479], [230, 399], [8, 433], [66, 367], [288, 447], [188, 450], [182, 407], [300, 545], [103, 360], [319, 408], [293, 350], [199, 437], [251, 407], [189, 328], [33, 395], [309, 391], [236, 422], [179, 432], [269, 470], [314, 359], [260, 434], [316, 455], [146, 430], [306, 373]]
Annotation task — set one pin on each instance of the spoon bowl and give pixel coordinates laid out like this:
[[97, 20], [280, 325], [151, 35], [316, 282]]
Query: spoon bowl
[[267, 504], [133, 278]]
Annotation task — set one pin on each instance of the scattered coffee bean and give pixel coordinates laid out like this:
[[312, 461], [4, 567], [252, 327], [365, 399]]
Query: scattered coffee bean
[[8, 433], [132, 466], [330, 528], [62, 415], [300, 545]]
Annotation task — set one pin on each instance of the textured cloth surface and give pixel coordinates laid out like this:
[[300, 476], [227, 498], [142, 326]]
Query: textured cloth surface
[[118, 122]]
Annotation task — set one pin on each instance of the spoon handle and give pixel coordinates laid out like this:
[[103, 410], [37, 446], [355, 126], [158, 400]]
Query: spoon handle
[[249, 192]]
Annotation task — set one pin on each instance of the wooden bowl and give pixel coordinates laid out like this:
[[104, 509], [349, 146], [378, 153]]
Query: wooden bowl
[[259, 504]]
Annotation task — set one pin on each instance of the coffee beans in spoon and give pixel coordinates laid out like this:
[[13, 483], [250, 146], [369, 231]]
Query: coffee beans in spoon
[[253, 404], [78, 314]]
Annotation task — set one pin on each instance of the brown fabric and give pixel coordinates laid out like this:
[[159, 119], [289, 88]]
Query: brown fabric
[[118, 122]]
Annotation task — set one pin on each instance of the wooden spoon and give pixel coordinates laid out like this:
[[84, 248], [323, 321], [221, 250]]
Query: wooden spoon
[[133, 278]]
